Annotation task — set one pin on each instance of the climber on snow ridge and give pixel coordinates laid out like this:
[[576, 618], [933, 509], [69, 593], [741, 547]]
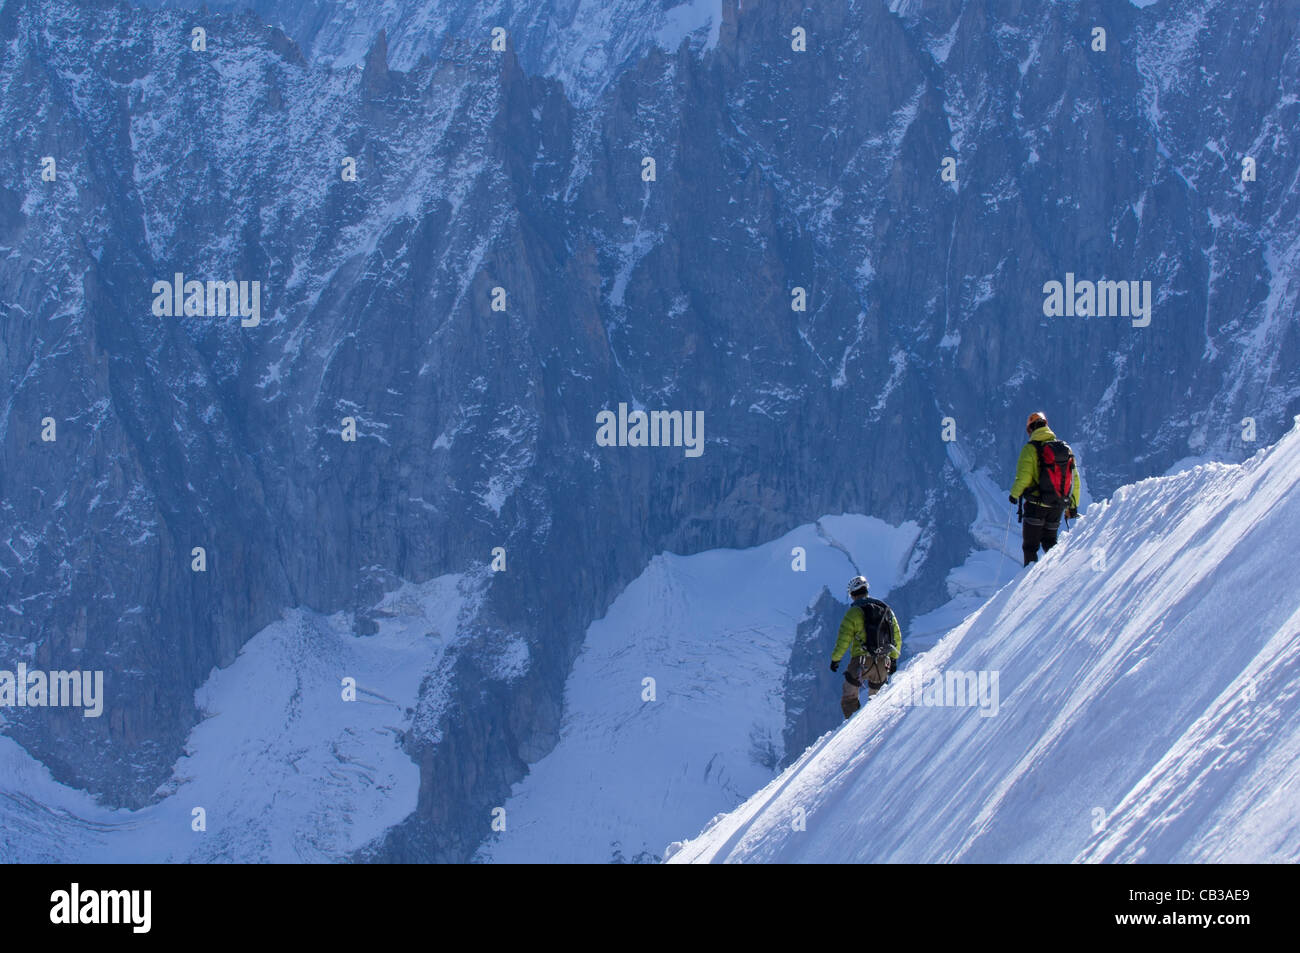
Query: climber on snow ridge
[[1047, 482], [870, 634]]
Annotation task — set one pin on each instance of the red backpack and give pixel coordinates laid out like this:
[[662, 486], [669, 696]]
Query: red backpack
[[1055, 471]]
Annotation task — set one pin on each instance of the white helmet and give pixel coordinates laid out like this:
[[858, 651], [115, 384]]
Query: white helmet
[[858, 583]]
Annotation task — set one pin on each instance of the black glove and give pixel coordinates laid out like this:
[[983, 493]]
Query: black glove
[[1012, 499], [1073, 513], [893, 666], [835, 665]]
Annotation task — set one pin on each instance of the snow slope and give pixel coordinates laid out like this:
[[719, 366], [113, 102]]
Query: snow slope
[[1147, 704], [714, 630], [285, 770]]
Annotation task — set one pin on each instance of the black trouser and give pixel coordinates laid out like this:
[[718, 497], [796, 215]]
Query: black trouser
[[1041, 525]]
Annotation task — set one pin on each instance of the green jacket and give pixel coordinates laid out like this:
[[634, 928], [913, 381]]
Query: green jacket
[[1027, 468], [852, 633]]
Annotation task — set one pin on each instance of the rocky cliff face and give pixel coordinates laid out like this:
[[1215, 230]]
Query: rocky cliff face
[[774, 170]]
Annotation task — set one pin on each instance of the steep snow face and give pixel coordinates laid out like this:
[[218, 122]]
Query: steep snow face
[[714, 633], [285, 768], [1138, 698]]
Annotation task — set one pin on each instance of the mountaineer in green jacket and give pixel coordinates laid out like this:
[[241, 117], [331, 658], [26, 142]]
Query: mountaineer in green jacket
[[870, 634], [1048, 483]]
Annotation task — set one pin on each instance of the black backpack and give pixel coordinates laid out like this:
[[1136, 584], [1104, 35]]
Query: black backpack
[[1055, 471], [878, 633]]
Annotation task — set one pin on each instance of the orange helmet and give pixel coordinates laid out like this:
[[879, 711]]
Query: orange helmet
[[1036, 419]]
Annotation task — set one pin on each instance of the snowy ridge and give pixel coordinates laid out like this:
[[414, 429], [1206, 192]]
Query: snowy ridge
[[1143, 608], [997, 534], [714, 630]]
